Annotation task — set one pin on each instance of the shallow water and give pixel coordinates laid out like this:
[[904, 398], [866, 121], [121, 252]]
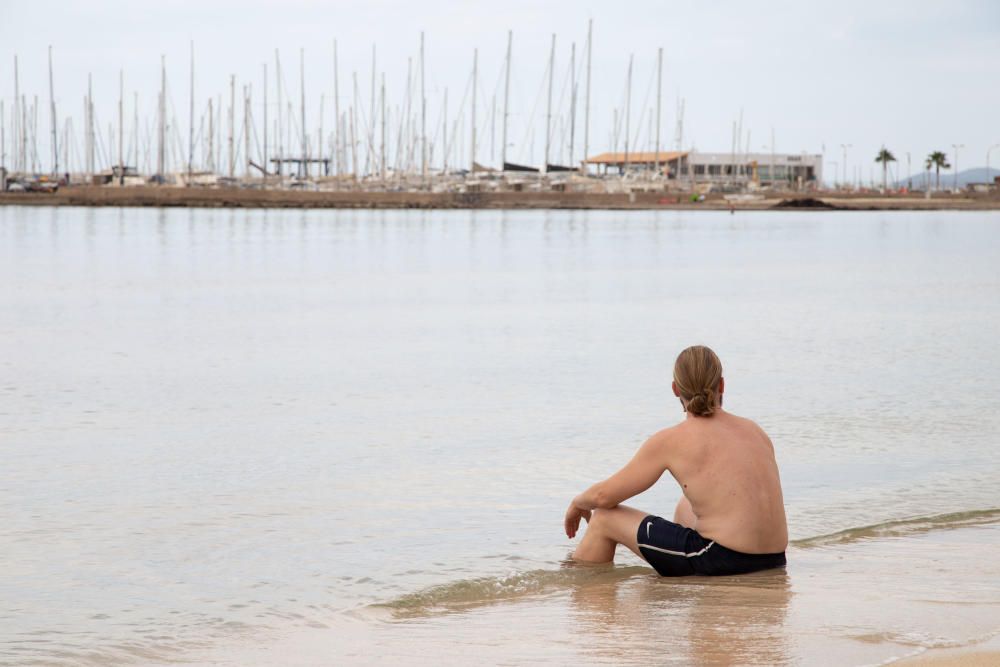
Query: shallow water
[[231, 436]]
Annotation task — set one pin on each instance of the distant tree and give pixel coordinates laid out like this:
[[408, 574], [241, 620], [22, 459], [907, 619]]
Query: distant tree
[[885, 157], [939, 161]]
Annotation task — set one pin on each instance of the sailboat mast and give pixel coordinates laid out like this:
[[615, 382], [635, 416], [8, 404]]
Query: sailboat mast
[[371, 121], [161, 139], [277, 83], [303, 165], [423, 114], [548, 107], [121, 126], [52, 105], [210, 162], [475, 75], [659, 88], [354, 125], [444, 133], [217, 160], [89, 142], [3, 149], [232, 123], [135, 126], [586, 119], [628, 107], [506, 103], [17, 128], [382, 148], [354, 134], [493, 126], [319, 138], [264, 162], [36, 159], [246, 127], [739, 136], [572, 100], [338, 154], [190, 165]]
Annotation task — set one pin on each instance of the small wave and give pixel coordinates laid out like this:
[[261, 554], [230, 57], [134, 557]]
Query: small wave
[[456, 596], [903, 527], [461, 595], [923, 645]]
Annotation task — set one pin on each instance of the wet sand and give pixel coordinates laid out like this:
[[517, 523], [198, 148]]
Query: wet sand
[[837, 603], [986, 654], [149, 196]]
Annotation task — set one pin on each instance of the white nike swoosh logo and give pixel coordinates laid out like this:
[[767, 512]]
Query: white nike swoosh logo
[[649, 524]]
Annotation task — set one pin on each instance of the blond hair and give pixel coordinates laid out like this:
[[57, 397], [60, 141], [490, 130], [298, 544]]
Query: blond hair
[[697, 372]]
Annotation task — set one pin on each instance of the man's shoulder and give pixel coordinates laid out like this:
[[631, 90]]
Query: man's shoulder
[[744, 421], [671, 436], [752, 427], [669, 432]]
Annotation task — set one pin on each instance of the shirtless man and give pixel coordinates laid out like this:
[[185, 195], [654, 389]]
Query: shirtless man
[[731, 518]]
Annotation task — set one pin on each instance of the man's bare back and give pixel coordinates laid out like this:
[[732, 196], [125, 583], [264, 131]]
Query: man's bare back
[[731, 517], [726, 469]]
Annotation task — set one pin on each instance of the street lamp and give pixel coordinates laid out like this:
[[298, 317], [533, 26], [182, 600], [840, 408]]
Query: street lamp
[[845, 147], [988, 174], [909, 174], [956, 147]]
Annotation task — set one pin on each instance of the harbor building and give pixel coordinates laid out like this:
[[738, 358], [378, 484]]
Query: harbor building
[[790, 169]]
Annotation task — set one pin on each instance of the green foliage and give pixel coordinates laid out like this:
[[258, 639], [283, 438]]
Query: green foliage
[[938, 160], [885, 156]]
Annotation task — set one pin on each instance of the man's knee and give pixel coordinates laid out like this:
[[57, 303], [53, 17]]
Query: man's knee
[[598, 520], [606, 520], [618, 524], [601, 520]]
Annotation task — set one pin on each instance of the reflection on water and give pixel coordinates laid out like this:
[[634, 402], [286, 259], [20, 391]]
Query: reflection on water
[[725, 620], [864, 602], [222, 424]]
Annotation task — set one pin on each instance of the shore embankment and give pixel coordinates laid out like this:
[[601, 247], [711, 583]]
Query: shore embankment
[[196, 197]]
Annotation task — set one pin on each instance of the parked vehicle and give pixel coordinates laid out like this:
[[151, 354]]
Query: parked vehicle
[[41, 185]]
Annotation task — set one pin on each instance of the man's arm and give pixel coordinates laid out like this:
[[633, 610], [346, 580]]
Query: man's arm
[[639, 474]]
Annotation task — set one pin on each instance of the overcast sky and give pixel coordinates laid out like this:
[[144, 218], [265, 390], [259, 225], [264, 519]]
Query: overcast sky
[[915, 75]]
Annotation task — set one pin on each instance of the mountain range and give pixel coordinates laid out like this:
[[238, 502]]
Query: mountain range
[[965, 177]]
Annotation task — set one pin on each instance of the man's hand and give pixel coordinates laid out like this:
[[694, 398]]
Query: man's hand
[[573, 516]]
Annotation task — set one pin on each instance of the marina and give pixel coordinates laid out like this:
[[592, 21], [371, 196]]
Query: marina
[[362, 137], [526, 333]]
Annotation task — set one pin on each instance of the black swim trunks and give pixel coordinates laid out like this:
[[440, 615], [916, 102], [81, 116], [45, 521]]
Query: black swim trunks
[[676, 551]]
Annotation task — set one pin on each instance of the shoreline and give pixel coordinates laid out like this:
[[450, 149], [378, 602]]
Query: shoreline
[[172, 197], [974, 655]]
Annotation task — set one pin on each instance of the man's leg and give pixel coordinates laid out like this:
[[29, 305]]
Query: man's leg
[[606, 530]]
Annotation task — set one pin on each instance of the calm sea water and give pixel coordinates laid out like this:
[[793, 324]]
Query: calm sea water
[[341, 436]]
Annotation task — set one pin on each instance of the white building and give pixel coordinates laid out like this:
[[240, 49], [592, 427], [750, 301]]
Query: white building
[[795, 169], [792, 169]]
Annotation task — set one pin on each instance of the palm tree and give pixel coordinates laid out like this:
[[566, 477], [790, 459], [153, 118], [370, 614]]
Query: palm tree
[[939, 161], [885, 157]]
